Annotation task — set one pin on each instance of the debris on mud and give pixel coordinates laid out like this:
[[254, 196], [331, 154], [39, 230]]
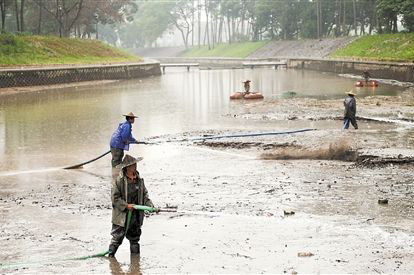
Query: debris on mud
[[372, 161], [288, 213], [383, 201], [305, 254]]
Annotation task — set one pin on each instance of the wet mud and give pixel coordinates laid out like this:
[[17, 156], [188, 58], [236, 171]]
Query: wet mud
[[309, 202]]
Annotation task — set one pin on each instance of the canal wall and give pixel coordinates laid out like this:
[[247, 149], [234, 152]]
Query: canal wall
[[19, 77], [208, 62], [386, 70]]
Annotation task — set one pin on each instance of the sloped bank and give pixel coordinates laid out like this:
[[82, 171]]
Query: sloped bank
[[67, 74], [386, 70]]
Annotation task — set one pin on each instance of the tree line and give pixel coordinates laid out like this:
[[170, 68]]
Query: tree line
[[208, 22], [66, 18], [139, 23]]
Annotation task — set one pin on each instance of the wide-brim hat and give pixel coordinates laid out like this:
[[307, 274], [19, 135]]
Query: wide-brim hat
[[246, 81], [351, 92], [130, 114], [128, 161]]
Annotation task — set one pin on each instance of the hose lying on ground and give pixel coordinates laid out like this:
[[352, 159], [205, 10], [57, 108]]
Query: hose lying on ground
[[92, 160], [102, 254], [243, 135], [195, 139], [86, 162]]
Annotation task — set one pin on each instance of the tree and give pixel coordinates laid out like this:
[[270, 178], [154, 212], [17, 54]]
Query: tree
[[388, 11], [65, 12], [4, 5], [180, 16], [407, 10]]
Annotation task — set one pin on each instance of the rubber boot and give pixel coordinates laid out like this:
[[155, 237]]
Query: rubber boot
[[112, 250], [134, 247]]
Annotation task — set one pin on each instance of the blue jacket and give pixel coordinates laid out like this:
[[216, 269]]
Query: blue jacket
[[122, 136]]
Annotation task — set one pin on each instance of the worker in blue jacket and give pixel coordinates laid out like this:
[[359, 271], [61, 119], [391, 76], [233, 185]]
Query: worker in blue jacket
[[121, 139]]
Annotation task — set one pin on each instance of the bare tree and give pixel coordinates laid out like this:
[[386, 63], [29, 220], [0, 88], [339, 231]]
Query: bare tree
[[65, 12], [181, 18], [199, 22], [207, 30]]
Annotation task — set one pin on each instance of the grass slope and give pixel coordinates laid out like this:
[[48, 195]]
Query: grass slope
[[226, 50], [385, 47], [44, 50]]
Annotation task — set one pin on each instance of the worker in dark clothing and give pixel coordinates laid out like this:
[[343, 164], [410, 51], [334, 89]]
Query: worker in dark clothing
[[246, 87], [366, 76], [128, 190], [350, 110]]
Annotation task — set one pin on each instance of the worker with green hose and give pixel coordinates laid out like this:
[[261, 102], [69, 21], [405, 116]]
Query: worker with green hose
[[128, 190]]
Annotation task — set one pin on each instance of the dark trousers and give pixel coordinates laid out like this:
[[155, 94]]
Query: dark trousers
[[118, 234], [352, 120], [117, 155]]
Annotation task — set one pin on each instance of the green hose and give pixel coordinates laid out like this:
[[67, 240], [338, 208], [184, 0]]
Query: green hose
[[144, 208], [102, 254], [14, 265]]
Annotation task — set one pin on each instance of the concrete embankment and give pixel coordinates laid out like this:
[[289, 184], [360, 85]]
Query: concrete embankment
[[385, 70], [310, 55], [33, 76], [210, 62]]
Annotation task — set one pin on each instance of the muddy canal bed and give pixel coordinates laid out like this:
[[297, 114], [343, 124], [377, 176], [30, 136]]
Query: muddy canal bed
[[295, 203]]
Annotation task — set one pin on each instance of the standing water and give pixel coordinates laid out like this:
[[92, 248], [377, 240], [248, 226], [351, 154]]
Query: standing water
[[48, 212]]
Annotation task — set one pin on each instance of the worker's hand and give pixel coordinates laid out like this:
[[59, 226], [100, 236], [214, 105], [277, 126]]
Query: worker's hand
[[130, 207], [156, 210]]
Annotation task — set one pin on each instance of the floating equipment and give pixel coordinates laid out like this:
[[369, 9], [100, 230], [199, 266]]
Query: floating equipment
[[372, 83], [253, 96], [359, 83], [239, 95]]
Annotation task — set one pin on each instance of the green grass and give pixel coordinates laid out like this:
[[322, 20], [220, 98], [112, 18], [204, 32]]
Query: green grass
[[385, 47], [226, 50], [47, 50]]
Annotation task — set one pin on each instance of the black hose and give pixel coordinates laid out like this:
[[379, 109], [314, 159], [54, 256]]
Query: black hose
[[86, 162]]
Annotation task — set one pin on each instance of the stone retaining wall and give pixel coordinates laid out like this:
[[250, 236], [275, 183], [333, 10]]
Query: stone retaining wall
[[386, 70], [66, 74]]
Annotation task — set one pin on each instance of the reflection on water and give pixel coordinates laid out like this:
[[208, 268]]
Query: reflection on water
[[60, 127], [134, 266]]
